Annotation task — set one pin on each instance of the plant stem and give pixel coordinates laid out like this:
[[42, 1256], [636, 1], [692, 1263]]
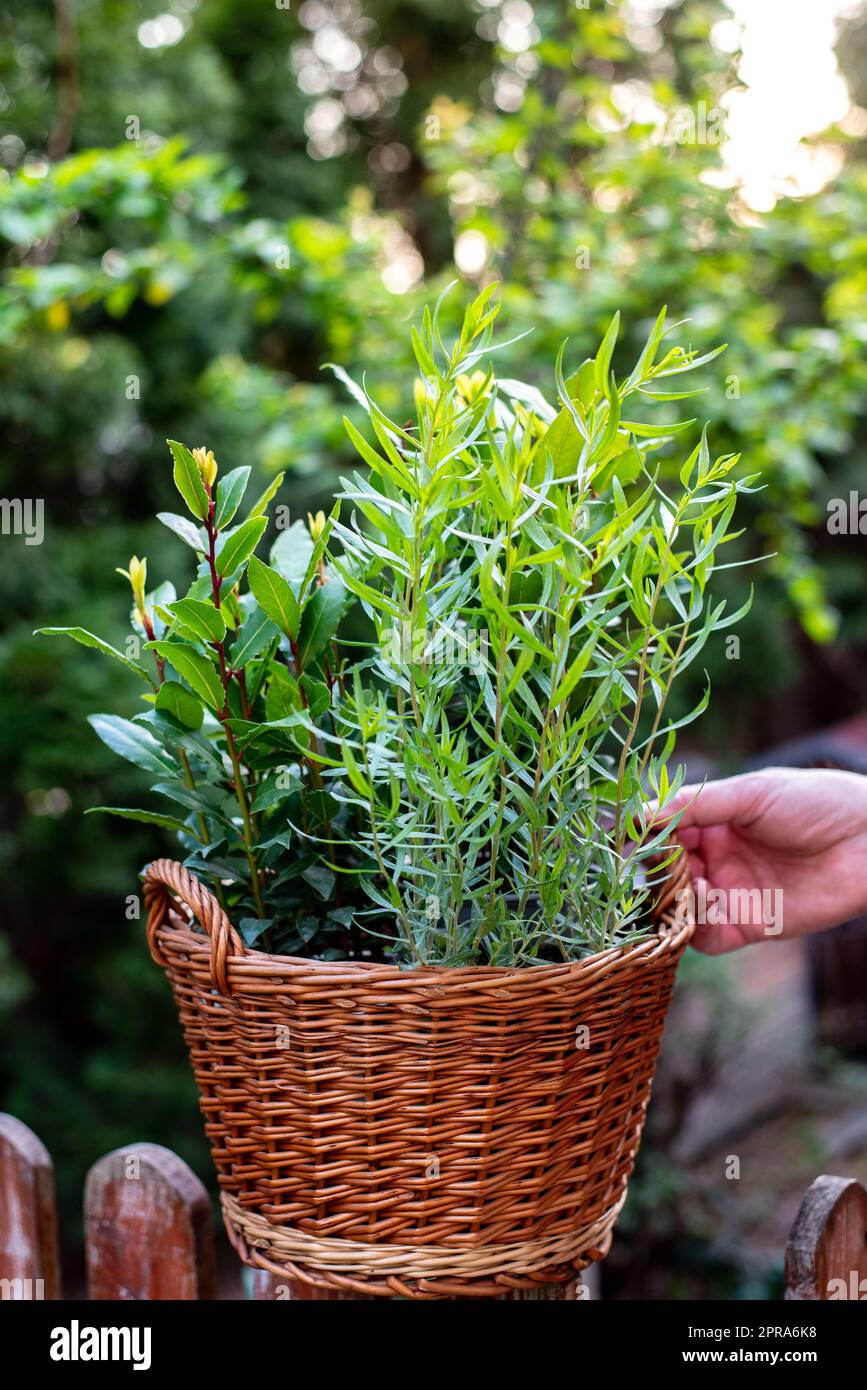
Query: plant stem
[[223, 715]]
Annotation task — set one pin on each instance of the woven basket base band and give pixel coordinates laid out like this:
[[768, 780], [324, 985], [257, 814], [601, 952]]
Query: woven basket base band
[[352, 1257]]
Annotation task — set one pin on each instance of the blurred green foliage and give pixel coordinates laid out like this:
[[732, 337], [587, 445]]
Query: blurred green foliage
[[201, 205]]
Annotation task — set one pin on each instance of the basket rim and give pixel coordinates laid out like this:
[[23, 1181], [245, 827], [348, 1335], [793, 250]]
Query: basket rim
[[169, 928], [669, 939]]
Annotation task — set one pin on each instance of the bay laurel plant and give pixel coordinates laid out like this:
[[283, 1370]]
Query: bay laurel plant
[[429, 728]]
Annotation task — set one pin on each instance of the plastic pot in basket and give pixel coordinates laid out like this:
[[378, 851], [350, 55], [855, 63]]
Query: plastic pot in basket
[[432, 1132]]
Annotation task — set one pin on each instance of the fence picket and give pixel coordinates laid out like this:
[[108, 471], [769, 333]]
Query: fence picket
[[148, 1227], [826, 1253], [149, 1234], [29, 1255]]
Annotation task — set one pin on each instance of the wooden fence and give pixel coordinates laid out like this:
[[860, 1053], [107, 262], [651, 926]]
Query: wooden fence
[[149, 1232]]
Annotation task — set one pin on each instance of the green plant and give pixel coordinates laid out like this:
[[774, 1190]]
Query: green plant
[[535, 594], [229, 674], [472, 787]]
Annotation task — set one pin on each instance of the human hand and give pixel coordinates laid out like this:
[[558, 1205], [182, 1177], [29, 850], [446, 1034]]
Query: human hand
[[781, 852]]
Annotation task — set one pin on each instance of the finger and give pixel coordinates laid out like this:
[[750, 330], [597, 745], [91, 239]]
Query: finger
[[716, 940], [697, 866], [690, 838], [711, 803]]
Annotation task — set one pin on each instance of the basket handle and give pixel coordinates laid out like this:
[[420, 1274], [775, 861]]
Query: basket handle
[[164, 877]]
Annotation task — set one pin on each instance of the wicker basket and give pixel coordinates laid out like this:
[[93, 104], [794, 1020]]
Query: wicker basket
[[432, 1132]]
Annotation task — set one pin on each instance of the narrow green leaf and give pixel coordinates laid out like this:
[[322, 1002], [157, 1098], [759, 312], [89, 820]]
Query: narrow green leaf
[[648, 352], [603, 356], [319, 548], [396, 472], [260, 505], [356, 776], [574, 673], [366, 592]]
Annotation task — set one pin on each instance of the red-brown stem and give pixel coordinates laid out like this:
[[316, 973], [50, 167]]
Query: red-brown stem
[[190, 780], [225, 681], [149, 629], [241, 678], [311, 738]]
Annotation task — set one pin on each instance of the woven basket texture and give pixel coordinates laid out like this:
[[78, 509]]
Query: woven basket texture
[[431, 1133]]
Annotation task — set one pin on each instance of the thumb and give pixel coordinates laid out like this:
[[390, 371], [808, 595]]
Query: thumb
[[709, 803]]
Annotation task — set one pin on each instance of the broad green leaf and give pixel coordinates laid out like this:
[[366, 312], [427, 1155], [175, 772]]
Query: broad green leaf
[[147, 817], [88, 639], [255, 634], [174, 698], [230, 494], [272, 790], [320, 620], [625, 467], [196, 669], [182, 526], [582, 385], [283, 697], [317, 694], [563, 444], [204, 620], [240, 544], [291, 552], [274, 597], [321, 880], [203, 798], [251, 928], [132, 742], [188, 479]]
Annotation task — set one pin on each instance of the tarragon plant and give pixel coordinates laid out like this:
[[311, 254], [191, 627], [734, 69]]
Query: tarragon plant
[[467, 780]]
